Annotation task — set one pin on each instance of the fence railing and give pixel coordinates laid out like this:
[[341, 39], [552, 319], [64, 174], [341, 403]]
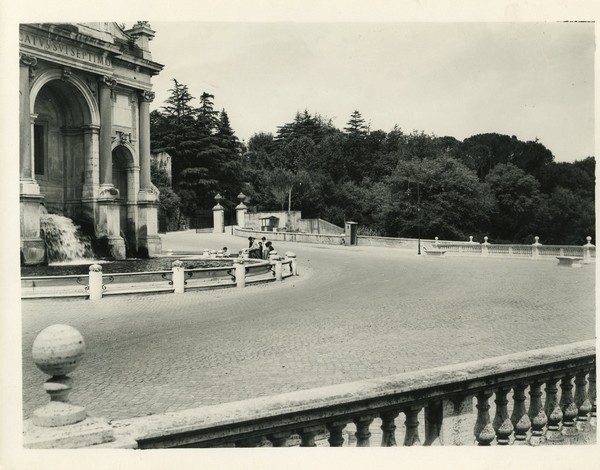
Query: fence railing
[[545, 396]]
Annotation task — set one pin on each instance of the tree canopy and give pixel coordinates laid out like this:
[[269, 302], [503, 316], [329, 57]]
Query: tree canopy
[[392, 183]]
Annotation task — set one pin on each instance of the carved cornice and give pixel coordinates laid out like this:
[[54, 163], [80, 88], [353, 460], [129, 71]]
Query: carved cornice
[[147, 96]]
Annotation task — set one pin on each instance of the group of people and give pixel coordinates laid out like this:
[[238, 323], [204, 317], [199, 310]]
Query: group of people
[[259, 250]]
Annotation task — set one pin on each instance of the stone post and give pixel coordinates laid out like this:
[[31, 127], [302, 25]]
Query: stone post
[[535, 253], [276, 260], [57, 351], [294, 264], [455, 421], [206, 253], [178, 277], [240, 211], [240, 272], [587, 257], [218, 216], [436, 241], [484, 247], [95, 282], [471, 239]]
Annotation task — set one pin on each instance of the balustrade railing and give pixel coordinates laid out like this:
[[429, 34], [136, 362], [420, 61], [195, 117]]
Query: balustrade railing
[[537, 250], [545, 396], [98, 284]]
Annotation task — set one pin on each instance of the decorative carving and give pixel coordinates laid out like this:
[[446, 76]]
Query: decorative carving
[[110, 192], [66, 73], [110, 82], [124, 137], [93, 86], [147, 96], [96, 268], [28, 61]]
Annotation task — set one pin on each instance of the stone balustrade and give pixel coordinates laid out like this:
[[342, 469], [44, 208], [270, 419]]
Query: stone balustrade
[[177, 280], [544, 396], [534, 251]]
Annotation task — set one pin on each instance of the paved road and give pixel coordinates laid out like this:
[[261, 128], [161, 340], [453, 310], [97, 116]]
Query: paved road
[[354, 313]]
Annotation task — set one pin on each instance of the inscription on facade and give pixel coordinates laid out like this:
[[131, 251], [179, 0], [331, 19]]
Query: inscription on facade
[[64, 49]]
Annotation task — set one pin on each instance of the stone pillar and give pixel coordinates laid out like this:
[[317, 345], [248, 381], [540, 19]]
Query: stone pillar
[[107, 84], [91, 169], [95, 282], [218, 216], [26, 64], [240, 272], [457, 421], [587, 256], [241, 210], [293, 262], [484, 247], [149, 243], [108, 216], [32, 246], [178, 277], [146, 97], [535, 253]]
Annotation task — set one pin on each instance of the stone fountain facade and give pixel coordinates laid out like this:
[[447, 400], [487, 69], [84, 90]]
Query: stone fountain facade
[[85, 93]]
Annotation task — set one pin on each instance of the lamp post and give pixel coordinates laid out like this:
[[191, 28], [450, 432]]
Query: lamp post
[[418, 218]]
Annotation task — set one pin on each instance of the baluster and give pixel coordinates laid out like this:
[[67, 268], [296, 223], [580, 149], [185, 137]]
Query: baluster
[[568, 407], [519, 418], [501, 423], [388, 438], [279, 439], [484, 431], [583, 404], [411, 438], [537, 416], [592, 397], [554, 413], [362, 430], [307, 435], [335, 433]]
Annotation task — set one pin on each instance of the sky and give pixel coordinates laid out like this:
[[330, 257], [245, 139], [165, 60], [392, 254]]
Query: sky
[[531, 80]]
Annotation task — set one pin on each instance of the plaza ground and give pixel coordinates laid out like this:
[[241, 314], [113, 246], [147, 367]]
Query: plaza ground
[[353, 313]]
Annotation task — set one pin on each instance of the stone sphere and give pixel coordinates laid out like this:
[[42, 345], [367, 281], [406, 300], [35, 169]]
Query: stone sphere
[[58, 349]]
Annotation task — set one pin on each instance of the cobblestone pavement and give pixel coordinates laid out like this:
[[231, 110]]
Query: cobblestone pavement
[[353, 313]]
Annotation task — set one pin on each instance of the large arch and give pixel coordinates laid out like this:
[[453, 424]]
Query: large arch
[[57, 74]]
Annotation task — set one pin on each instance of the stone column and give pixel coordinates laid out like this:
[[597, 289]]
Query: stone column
[[587, 257], [108, 217], [149, 243], [26, 63], [107, 84], [33, 250], [146, 98]]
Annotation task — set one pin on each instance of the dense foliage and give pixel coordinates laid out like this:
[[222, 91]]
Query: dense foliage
[[392, 183]]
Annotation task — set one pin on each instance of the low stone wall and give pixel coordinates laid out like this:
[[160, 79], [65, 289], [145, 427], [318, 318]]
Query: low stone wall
[[322, 239], [319, 226]]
